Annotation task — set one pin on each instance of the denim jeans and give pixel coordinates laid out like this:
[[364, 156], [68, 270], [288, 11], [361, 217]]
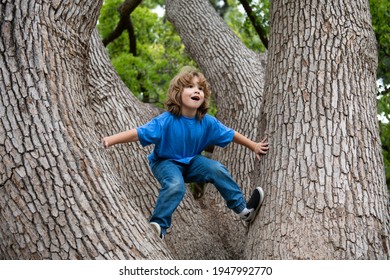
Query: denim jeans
[[172, 177]]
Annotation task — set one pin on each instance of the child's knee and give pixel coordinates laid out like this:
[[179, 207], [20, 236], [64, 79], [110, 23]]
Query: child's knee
[[217, 170], [219, 167], [175, 187], [179, 190]]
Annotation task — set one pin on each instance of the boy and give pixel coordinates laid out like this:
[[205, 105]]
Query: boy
[[179, 136]]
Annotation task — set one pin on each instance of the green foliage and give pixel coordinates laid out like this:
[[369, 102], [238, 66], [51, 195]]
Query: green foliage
[[242, 27], [384, 126], [261, 10], [380, 13], [385, 133], [236, 18], [108, 17], [160, 53]]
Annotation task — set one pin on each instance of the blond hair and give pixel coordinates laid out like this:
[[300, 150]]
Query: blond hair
[[184, 79]]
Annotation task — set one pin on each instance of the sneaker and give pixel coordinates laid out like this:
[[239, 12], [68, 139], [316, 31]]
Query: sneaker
[[253, 204], [157, 229]]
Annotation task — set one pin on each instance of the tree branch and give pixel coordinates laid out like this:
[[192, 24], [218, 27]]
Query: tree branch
[[258, 27], [125, 23]]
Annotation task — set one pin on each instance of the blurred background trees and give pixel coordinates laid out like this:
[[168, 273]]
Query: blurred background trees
[[380, 12]]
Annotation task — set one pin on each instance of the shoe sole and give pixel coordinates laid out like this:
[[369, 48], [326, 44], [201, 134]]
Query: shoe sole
[[254, 212], [156, 228]]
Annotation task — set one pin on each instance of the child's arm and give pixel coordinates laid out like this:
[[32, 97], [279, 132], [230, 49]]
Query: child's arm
[[260, 148], [122, 137]]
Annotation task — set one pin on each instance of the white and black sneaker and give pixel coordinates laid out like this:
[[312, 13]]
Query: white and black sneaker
[[157, 229], [253, 205]]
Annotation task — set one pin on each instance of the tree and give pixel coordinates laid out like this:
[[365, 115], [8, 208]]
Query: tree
[[327, 179], [319, 112], [63, 196], [60, 198]]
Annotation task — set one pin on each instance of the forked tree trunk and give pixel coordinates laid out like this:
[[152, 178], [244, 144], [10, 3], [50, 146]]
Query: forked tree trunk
[[62, 196]]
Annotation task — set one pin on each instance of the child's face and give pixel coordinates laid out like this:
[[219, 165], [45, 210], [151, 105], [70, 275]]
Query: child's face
[[192, 98]]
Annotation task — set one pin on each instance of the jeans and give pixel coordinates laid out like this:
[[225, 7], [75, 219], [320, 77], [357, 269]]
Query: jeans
[[172, 177]]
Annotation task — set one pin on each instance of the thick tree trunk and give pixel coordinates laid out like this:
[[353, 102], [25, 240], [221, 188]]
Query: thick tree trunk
[[60, 197], [324, 176]]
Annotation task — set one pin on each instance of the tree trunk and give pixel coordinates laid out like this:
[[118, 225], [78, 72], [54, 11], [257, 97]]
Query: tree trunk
[[60, 195], [324, 175]]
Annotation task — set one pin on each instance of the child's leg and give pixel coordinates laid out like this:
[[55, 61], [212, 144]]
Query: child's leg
[[202, 169], [169, 175]]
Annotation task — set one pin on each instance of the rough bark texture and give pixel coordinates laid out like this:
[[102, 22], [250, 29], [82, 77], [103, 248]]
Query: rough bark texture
[[62, 196], [59, 196], [327, 197]]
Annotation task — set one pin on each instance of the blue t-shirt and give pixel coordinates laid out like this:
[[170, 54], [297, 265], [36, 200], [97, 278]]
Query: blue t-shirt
[[182, 138]]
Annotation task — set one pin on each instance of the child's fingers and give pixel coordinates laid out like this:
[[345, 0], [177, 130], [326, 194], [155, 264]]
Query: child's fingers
[[261, 149], [105, 143]]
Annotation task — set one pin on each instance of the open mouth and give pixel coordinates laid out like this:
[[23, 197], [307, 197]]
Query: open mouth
[[196, 98]]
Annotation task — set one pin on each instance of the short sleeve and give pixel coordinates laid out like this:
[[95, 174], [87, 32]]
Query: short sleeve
[[221, 135], [149, 133]]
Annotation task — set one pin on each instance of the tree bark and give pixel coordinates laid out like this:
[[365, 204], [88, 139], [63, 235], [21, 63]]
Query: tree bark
[[60, 196], [63, 197], [324, 175]]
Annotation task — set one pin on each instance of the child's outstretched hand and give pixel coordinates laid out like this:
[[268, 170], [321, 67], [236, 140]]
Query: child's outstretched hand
[[261, 148], [105, 143]]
